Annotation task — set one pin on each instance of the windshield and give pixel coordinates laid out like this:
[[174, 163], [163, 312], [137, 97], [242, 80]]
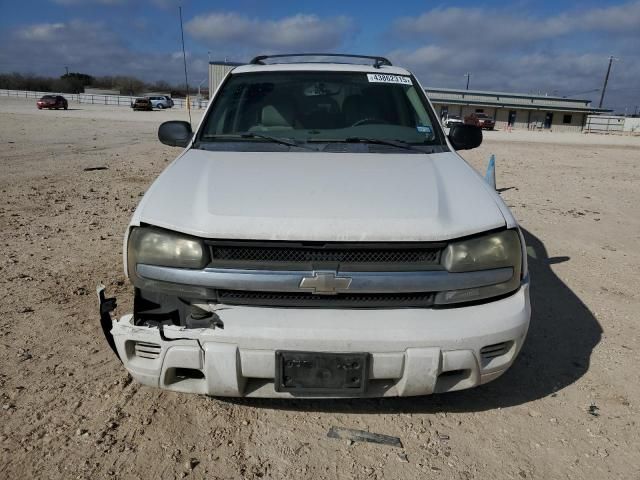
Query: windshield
[[321, 107]]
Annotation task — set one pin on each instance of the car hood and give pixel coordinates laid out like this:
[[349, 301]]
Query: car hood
[[320, 197]]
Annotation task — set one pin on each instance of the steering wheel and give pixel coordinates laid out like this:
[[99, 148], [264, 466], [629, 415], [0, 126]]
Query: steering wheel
[[368, 120]]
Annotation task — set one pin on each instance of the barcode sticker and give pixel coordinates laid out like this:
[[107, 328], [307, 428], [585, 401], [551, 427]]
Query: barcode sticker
[[386, 78]]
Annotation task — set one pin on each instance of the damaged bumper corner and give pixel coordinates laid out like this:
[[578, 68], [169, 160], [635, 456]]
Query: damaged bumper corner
[[106, 306]]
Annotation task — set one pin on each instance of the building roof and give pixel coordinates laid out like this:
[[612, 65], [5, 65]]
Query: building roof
[[224, 62], [504, 94], [509, 100]]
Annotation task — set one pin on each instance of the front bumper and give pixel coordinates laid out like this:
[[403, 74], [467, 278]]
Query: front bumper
[[413, 351]]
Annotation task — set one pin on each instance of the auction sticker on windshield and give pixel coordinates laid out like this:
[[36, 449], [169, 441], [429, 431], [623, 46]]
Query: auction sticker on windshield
[[386, 78]]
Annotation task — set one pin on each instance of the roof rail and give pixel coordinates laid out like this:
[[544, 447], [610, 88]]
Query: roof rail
[[378, 61]]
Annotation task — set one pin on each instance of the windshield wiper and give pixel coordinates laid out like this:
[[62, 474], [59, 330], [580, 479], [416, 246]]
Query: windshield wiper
[[290, 142], [281, 140], [380, 141]]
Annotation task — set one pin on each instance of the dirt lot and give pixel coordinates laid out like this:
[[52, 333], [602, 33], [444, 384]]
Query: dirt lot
[[568, 408]]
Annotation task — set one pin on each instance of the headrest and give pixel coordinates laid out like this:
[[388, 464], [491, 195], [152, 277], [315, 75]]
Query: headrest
[[273, 116]]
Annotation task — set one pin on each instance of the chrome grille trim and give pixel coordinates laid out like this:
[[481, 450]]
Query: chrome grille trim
[[290, 281]]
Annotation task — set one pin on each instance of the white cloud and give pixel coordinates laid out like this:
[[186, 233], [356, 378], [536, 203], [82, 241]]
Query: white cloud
[[565, 53], [88, 47], [298, 32], [42, 31], [505, 28]]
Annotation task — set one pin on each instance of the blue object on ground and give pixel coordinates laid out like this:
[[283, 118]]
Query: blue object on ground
[[490, 176]]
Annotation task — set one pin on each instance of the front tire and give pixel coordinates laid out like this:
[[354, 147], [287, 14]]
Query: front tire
[[159, 106]]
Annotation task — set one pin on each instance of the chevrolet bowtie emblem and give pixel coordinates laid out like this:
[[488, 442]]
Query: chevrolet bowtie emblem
[[325, 283]]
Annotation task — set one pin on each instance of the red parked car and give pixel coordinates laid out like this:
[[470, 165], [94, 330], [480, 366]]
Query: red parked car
[[481, 120], [52, 101]]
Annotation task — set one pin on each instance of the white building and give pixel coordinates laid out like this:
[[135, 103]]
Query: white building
[[521, 111], [217, 71]]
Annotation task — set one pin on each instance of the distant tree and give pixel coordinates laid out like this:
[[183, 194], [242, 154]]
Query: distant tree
[[74, 82], [18, 81], [160, 86]]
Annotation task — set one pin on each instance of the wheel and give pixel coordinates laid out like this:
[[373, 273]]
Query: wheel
[[159, 106], [66, 106]]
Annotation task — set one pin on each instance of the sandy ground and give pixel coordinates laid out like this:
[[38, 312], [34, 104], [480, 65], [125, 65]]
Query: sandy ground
[[567, 409]]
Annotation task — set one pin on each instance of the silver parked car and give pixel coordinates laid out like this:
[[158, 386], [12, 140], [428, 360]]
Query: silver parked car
[[161, 101]]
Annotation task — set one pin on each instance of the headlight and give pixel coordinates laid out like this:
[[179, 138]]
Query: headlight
[[498, 250], [159, 247], [493, 251]]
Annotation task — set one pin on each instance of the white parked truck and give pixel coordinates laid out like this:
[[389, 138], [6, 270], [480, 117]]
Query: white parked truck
[[319, 236]]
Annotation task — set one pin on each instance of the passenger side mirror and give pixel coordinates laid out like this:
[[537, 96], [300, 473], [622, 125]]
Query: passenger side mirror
[[465, 137], [175, 133]]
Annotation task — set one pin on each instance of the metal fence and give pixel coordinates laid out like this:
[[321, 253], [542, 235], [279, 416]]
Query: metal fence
[[96, 99], [604, 124]]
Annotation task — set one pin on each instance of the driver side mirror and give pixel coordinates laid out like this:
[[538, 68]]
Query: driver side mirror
[[465, 137], [175, 133]]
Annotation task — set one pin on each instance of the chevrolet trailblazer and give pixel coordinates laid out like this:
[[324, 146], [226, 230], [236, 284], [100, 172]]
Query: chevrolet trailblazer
[[319, 236]]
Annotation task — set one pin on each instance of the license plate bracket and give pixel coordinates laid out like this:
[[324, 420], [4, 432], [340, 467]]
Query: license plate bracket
[[321, 372]]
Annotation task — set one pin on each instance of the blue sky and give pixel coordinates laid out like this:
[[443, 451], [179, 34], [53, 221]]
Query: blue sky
[[521, 46]]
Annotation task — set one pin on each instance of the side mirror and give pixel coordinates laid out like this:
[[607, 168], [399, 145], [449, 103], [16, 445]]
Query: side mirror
[[465, 137], [175, 133]]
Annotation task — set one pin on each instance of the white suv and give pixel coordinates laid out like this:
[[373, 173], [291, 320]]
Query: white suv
[[319, 236]]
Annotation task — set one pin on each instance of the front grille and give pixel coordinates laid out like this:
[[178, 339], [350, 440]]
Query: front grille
[[308, 300], [256, 254], [282, 255]]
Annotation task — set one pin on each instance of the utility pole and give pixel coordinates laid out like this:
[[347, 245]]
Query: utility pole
[[67, 69], [468, 75], [184, 58], [606, 80]]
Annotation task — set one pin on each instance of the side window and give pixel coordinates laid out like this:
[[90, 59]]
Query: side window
[[224, 115]]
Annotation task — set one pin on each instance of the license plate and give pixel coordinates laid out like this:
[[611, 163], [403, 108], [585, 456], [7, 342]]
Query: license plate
[[321, 372]]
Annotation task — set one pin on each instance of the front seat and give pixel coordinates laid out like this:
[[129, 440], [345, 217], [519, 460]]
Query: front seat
[[277, 114]]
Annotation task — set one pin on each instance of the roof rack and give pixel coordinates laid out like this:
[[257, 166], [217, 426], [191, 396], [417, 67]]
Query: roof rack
[[378, 61]]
